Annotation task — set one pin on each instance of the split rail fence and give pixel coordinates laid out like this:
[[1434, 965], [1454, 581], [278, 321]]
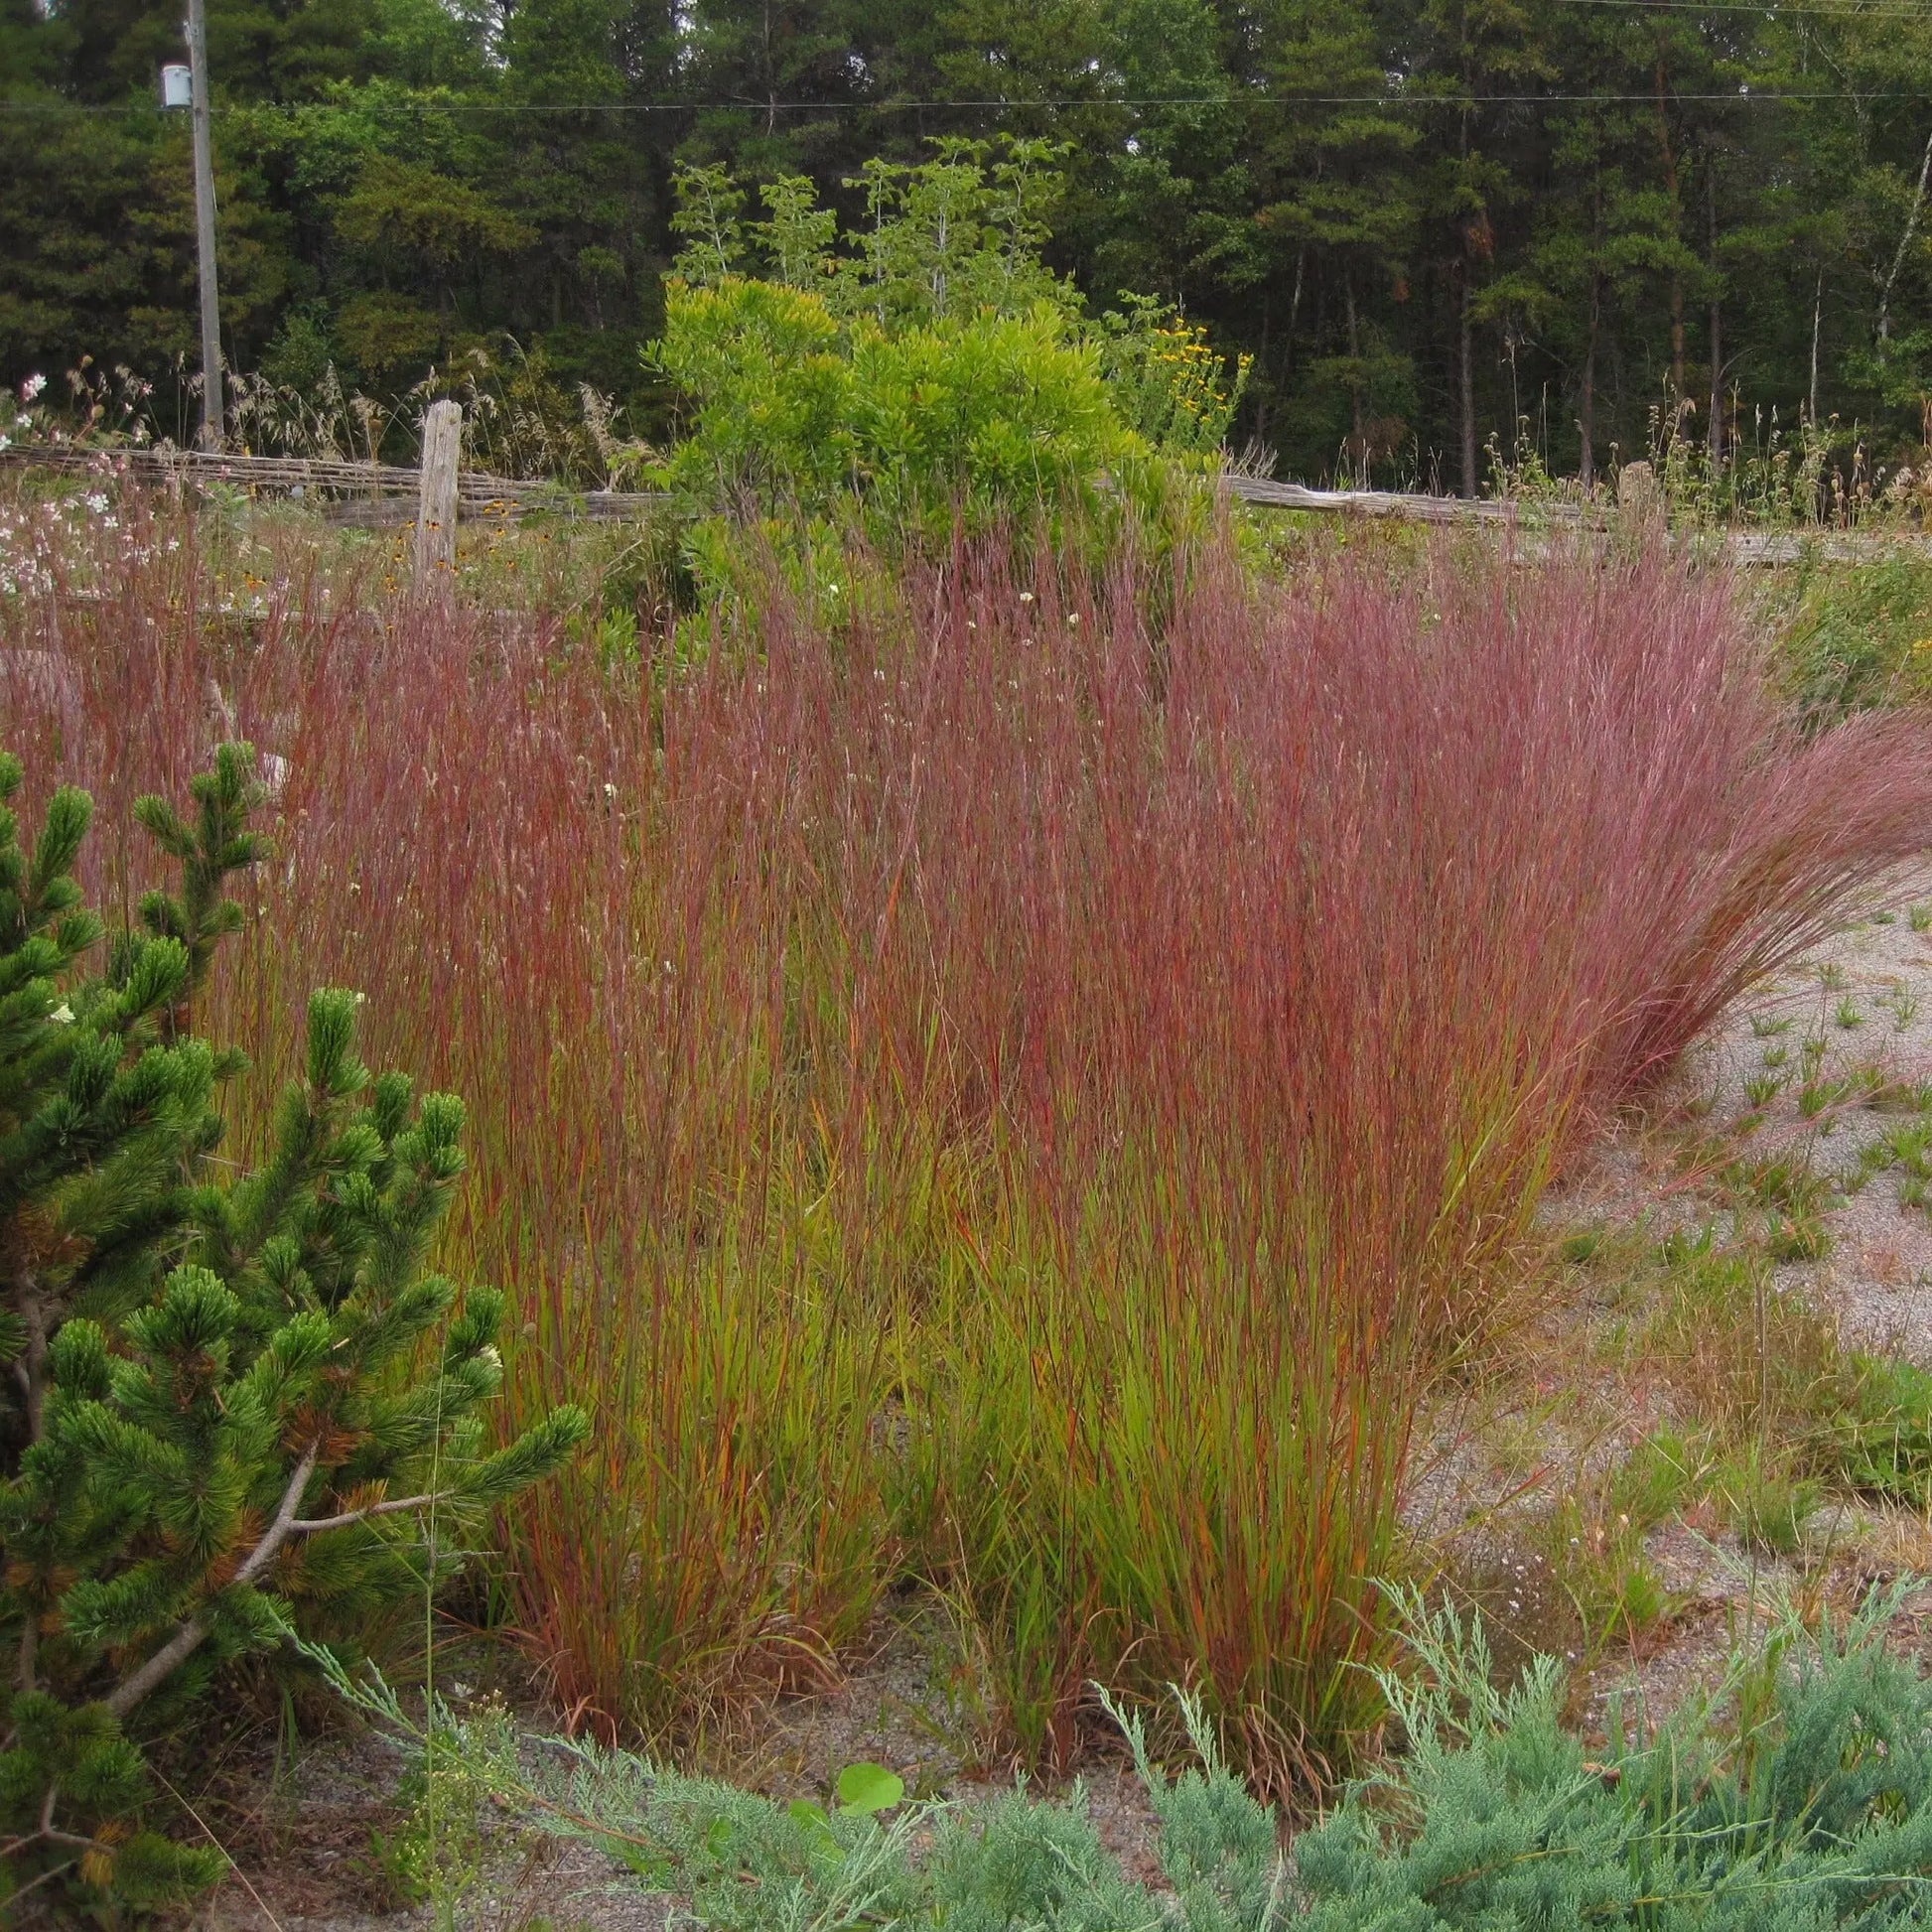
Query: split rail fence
[[435, 497]]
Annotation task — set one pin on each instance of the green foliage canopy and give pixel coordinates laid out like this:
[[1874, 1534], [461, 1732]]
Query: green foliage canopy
[[933, 366], [1425, 222]]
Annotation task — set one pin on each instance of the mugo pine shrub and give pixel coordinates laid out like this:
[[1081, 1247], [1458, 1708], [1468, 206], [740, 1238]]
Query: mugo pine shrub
[[230, 1410]]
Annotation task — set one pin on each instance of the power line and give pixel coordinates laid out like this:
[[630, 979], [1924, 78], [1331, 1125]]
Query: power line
[[1743, 97]]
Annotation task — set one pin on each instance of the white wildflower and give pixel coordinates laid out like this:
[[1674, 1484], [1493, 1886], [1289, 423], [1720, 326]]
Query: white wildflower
[[62, 1015], [32, 387]]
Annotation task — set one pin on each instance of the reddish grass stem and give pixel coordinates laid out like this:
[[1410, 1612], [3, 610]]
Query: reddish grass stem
[[982, 1090]]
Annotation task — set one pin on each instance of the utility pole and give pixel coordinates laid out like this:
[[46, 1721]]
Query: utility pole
[[211, 381]]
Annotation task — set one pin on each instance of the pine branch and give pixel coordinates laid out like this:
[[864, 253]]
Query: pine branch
[[314, 1525], [44, 1833], [48, 1876], [189, 1636], [29, 1643], [532, 1454]]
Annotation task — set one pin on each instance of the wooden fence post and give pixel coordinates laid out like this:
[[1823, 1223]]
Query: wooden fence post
[[436, 506]]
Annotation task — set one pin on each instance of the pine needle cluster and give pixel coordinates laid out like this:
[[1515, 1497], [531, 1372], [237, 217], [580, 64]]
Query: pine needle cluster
[[230, 1410]]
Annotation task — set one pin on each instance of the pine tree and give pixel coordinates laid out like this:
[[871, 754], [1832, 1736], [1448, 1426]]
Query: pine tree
[[1343, 202], [236, 1411]]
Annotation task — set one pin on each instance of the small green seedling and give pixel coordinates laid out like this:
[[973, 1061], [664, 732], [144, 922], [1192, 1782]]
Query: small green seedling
[[861, 1791], [1776, 1057], [1831, 976], [1905, 1005], [1874, 1158], [1763, 1088], [1884, 918], [1848, 1015], [1811, 1056], [1656, 1477], [1787, 1184], [1763, 1026], [1920, 918]]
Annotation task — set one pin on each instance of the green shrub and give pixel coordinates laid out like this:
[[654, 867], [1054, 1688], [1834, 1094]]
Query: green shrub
[[926, 366], [1164, 378], [1819, 1813], [956, 235], [984, 416], [234, 1408], [1809, 1808]]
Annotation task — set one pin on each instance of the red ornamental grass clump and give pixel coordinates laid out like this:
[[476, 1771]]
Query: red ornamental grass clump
[[988, 1090]]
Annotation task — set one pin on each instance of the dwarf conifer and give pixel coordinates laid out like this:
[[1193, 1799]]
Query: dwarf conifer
[[229, 1410]]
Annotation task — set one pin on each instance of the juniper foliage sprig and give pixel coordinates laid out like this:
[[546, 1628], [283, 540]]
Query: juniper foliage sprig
[[1794, 1796]]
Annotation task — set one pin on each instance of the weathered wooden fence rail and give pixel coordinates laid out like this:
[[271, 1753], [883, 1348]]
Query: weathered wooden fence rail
[[385, 492], [350, 493], [376, 487], [1404, 505]]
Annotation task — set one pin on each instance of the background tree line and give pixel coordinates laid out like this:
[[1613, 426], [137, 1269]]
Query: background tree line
[[1430, 222]]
